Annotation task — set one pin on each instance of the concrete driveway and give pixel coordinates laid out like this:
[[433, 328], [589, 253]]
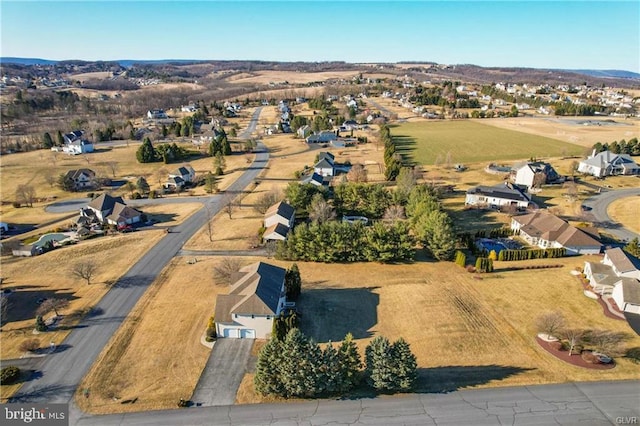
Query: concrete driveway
[[223, 373]]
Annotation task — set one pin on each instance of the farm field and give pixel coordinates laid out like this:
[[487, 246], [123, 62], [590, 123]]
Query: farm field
[[566, 129], [293, 77], [149, 358], [47, 276], [626, 212], [471, 141], [466, 333]]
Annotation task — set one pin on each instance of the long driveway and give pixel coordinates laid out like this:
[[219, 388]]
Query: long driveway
[[596, 403], [598, 213], [62, 372]]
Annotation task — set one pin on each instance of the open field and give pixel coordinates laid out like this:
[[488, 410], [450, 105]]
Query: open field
[[471, 141], [626, 211], [47, 276], [293, 77], [98, 75], [565, 129], [465, 333], [149, 358]]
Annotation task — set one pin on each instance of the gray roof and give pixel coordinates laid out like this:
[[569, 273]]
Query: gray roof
[[607, 157], [314, 177], [277, 228], [324, 164], [76, 173], [282, 209], [623, 261], [500, 191], [105, 202], [631, 291]]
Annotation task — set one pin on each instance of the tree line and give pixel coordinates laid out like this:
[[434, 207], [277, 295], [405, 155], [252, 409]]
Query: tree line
[[623, 147]]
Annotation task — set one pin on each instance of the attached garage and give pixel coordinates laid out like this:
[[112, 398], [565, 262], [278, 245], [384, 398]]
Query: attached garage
[[626, 294], [232, 332], [247, 334]]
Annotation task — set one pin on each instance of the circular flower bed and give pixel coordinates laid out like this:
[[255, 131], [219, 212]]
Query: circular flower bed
[[585, 359]]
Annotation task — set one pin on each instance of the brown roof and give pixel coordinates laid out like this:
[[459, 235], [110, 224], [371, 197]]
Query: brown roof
[[124, 212], [631, 291], [277, 228], [224, 303], [603, 274], [282, 209], [105, 202], [622, 261], [552, 228]]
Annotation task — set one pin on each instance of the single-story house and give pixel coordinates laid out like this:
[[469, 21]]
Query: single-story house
[[622, 263], [626, 294], [606, 163], [254, 300], [545, 230], [535, 174], [498, 196], [81, 178], [106, 208], [322, 137], [156, 114], [276, 232], [280, 213]]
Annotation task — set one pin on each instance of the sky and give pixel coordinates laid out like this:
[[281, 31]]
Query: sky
[[538, 34]]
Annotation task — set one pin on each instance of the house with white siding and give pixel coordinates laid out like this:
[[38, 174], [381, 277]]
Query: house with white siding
[[498, 196], [606, 163]]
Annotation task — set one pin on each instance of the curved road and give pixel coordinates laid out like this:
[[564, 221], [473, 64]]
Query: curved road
[[63, 371], [597, 403], [598, 213]]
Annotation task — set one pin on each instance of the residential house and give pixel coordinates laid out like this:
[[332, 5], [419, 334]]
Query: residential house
[[349, 125], [113, 210], [304, 131], [313, 179], [156, 114], [606, 163], [498, 196], [189, 108], [186, 173], [325, 165], [626, 294], [276, 232], [174, 183], [622, 263], [80, 179], [281, 213], [74, 143], [254, 300], [545, 230], [322, 137], [535, 174], [618, 275]]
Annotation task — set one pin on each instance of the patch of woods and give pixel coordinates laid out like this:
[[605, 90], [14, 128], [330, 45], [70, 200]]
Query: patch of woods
[[597, 346], [296, 366], [400, 218]]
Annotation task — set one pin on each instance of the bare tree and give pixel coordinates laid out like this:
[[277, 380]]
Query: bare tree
[[606, 341], [52, 305], [30, 345], [320, 210], [85, 270], [573, 336], [550, 323], [539, 179], [229, 206], [267, 199], [357, 173], [209, 224], [26, 194], [226, 269], [50, 177], [572, 190], [448, 160], [394, 212], [87, 159], [270, 248], [161, 174], [113, 167]]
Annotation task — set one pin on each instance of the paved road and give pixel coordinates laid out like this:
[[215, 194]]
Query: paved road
[[598, 213], [598, 403], [223, 373], [63, 371]]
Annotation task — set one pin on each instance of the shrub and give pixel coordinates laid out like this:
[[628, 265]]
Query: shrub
[[30, 345], [40, 325], [633, 354], [16, 204], [153, 194], [9, 375], [183, 403], [136, 196], [90, 195]]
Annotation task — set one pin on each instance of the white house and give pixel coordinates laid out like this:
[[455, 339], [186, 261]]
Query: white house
[[254, 300], [189, 108], [545, 230], [325, 165], [622, 263], [626, 294], [616, 266], [276, 232], [322, 137], [156, 114], [606, 163], [497, 196], [535, 174], [313, 179], [113, 210], [186, 173], [281, 213], [74, 143]]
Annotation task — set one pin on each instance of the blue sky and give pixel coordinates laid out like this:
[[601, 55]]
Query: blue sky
[[541, 34]]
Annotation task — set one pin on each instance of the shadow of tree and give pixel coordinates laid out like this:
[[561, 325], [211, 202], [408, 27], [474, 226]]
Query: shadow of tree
[[47, 393], [328, 314], [453, 377], [405, 146], [24, 301]]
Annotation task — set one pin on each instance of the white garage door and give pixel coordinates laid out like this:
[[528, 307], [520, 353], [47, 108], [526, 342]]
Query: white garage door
[[634, 309], [248, 334], [231, 332]]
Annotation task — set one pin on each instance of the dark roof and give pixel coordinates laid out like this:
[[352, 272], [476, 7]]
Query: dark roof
[[282, 209], [315, 177], [105, 202], [120, 211], [76, 173], [324, 164], [326, 155], [322, 137], [278, 228], [505, 191]]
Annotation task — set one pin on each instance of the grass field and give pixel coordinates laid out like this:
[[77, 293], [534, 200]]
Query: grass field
[[466, 333], [152, 359], [47, 276], [626, 212], [471, 141]]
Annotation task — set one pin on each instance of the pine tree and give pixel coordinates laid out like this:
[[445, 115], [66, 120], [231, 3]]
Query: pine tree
[[300, 365], [210, 184], [47, 142], [350, 363], [146, 153], [406, 374], [59, 138], [142, 185], [40, 324], [330, 374], [293, 282], [380, 364], [267, 379]]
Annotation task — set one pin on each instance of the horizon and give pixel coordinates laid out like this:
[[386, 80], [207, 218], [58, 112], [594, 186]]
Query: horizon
[[483, 33]]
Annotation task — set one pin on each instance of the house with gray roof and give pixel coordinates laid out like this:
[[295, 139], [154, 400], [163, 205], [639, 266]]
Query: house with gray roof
[[606, 163], [626, 294], [80, 179], [276, 232], [280, 213], [322, 137], [314, 179], [113, 210], [537, 173], [254, 300], [498, 196]]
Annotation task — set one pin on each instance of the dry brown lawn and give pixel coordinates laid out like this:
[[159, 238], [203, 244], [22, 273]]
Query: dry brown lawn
[[48, 276], [98, 75], [393, 106], [152, 359], [465, 333], [626, 212], [293, 77], [559, 128]]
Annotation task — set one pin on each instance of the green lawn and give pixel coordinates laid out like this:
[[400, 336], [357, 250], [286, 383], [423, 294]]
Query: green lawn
[[469, 142]]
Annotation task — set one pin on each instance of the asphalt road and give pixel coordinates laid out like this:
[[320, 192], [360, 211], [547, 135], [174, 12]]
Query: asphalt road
[[598, 213], [596, 403], [62, 372], [220, 380]]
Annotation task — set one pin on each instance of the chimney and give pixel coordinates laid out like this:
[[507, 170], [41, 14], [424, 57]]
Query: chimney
[[593, 154]]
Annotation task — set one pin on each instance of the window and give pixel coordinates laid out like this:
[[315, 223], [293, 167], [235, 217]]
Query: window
[[253, 316], [268, 317]]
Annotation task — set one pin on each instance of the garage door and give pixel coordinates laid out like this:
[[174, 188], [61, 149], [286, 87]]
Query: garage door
[[231, 332], [634, 309], [248, 334]]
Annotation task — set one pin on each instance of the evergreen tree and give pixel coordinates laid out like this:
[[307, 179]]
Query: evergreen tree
[[146, 153], [40, 324], [406, 374], [226, 146], [47, 142], [633, 247], [330, 375], [300, 365], [380, 364], [59, 138], [210, 184], [219, 163], [350, 363], [142, 185], [292, 282], [267, 379], [436, 232]]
